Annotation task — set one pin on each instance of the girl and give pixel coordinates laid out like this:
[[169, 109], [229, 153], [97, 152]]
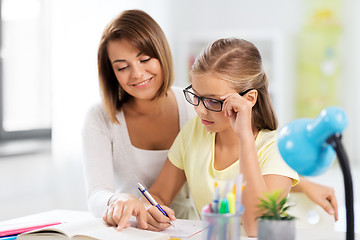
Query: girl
[[234, 132]]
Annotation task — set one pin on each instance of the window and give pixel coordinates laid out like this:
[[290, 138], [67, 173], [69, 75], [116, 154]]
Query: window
[[25, 103]]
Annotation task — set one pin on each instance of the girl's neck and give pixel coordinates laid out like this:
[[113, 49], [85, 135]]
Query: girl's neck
[[226, 138]]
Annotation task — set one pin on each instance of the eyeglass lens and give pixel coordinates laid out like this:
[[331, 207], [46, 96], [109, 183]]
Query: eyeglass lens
[[209, 103]]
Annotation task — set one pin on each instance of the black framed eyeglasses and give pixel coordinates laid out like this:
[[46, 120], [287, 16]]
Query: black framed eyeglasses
[[211, 104]]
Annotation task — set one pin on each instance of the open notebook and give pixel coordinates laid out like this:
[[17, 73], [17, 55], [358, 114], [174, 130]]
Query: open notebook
[[97, 229]]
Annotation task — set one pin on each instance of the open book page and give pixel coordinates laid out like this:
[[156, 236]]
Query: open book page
[[66, 229], [13, 228], [91, 229], [185, 228]]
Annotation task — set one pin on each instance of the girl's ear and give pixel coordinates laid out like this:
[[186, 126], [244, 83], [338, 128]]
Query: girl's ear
[[251, 96]]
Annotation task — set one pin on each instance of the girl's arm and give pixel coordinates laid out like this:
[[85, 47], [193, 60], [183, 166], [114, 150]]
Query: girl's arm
[[239, 111], [256, 186], [321, 195], [164, 190]]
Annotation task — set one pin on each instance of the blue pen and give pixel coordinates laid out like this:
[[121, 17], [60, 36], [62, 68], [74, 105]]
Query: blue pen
[[151, 200]]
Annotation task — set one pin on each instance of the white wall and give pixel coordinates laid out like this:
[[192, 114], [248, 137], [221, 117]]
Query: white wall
[[40, 182], [285, 18], [350, 84], [75, 41], [280, 20], [75, 38], [75, 85]]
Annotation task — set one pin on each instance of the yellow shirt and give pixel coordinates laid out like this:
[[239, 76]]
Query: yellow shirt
[[193, 152]]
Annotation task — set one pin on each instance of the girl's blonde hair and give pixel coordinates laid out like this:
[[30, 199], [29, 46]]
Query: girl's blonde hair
[[142, 31], [239, 63]]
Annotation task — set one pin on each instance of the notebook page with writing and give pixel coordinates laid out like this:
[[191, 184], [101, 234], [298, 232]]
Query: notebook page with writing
[[185, 228], [129, 233]]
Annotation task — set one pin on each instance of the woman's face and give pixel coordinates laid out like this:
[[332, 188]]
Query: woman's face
[[137, 73], [208, 85]]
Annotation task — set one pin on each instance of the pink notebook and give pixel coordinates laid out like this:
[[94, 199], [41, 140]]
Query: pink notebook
[[17, 228]]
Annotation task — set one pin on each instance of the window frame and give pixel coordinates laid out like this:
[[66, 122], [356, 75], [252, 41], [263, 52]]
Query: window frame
[[10, 136]]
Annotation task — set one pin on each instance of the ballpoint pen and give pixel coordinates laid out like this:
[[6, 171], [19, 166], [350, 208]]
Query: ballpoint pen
[[152, 201], [216, 196], [238, 192]]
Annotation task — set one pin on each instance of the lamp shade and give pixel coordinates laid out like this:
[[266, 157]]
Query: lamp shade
[[303, 142]]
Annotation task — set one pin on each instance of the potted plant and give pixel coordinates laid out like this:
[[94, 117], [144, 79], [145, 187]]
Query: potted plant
[[275, 222]]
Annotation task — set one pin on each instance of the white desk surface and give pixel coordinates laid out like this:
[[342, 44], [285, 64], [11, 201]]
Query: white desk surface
[[71, 215]]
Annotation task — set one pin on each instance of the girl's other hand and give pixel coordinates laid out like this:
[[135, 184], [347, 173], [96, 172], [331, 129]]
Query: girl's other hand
[[325, 197], [119, 212], [321, 195]]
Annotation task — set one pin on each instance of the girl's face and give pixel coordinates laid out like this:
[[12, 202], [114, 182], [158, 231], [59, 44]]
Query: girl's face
[[137, 73], [208, 85]]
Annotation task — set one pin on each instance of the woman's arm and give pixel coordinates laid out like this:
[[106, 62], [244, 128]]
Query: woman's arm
[[117, 208], [97, 161], [321, 195]]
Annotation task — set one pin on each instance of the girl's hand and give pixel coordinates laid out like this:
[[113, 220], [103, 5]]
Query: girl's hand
[[238, 109], [323, 196], [119, 212], [157, 221]]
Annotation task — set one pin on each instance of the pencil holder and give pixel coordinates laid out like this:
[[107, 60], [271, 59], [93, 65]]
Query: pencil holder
[[221, 226]]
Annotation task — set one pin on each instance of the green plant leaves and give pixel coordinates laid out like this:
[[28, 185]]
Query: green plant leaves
[[274, 207]]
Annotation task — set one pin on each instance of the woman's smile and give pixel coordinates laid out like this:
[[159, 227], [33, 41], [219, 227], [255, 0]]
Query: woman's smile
[[143, 83]]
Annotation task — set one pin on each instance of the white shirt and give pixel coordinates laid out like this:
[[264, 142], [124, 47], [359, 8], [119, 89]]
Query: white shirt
[[112, 164]]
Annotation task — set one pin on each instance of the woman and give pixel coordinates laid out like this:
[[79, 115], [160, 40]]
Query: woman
[[126, 139]]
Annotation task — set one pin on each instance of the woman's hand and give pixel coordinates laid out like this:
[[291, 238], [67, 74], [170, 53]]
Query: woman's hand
[[156, 221], [120, 210], [323, 196]]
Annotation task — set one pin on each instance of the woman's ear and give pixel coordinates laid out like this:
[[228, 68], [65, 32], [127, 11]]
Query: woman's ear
[[251, 96]]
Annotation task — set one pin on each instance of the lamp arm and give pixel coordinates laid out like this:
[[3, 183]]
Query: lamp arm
[[335, 142]]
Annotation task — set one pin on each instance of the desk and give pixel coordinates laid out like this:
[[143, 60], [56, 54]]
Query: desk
[[70, 215]]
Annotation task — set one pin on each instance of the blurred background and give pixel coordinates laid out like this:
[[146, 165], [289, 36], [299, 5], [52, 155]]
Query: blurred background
[[48, 79]]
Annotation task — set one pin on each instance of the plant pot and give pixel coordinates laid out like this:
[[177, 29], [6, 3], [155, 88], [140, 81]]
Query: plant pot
[[276, 229]]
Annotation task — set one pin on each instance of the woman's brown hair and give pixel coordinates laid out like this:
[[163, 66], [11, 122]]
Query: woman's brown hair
[[142, 31], [239, 63]]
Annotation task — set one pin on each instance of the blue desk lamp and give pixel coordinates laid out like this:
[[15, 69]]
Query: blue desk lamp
[[309, 146]]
